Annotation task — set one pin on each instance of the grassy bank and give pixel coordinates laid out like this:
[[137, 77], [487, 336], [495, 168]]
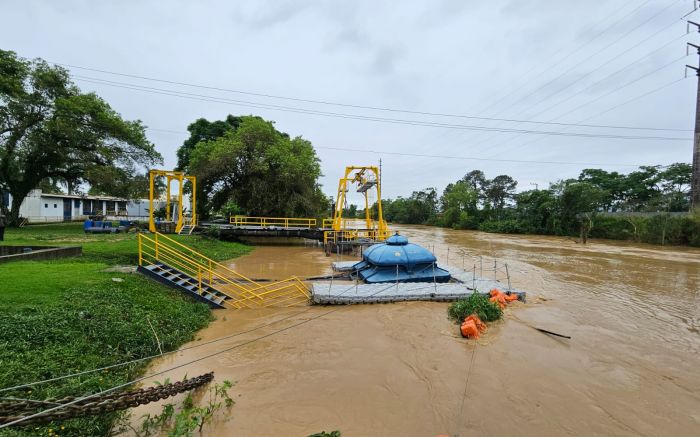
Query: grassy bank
[[61, 316]]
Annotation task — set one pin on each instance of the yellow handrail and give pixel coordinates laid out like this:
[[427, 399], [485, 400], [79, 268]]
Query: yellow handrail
[[240, 290], [287, 222], [177, 258]]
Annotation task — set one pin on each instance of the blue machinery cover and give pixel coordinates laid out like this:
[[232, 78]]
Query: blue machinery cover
[[398, 260]]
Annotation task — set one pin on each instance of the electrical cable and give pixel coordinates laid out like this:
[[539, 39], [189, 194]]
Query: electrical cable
[[142, 378], [436, 114], [371, 118], [125, 363]]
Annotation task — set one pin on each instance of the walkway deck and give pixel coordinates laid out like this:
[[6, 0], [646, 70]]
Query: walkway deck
[[348, 292]]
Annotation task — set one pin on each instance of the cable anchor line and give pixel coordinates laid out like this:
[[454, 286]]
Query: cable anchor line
[[25, 412]]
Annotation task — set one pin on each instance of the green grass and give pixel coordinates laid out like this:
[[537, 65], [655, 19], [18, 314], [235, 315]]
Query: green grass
[[60, 316]]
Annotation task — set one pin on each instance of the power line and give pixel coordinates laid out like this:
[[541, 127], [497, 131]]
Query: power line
[[575, 51], [126, 384], [375, 108], [137, 360], [422, 155], [613, 58], [215, 99], [572, 52], [613, 91], [655, 90]]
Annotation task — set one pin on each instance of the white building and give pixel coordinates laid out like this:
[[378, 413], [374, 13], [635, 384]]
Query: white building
[[40, 207]]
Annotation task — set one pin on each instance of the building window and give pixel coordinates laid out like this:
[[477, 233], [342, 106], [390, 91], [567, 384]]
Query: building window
[[46, 205], [55, 205], [76, 203]]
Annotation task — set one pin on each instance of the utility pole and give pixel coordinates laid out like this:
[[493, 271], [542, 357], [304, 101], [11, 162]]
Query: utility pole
[[695, 184]]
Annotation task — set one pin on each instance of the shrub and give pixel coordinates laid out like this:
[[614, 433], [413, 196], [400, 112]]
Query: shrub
[[508, 226], [476, 303]]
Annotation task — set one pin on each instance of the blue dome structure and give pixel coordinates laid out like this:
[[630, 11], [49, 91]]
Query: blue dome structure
[[398, 260]]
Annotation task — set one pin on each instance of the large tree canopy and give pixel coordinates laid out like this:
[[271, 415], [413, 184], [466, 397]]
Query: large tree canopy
[[50, 130], [261, 170]]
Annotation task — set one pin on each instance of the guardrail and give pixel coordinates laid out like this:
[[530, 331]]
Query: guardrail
[[264, 222], [351, 235], [242, 291], [352, 223]]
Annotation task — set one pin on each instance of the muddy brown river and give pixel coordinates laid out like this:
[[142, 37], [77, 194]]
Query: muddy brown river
[[631, 368]]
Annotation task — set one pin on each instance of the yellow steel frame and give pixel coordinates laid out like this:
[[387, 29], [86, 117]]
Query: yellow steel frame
[[286, 222], [360, 175], [181, 178], [242, 291]]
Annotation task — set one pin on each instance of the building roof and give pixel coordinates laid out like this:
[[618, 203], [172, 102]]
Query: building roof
[[83, 197]]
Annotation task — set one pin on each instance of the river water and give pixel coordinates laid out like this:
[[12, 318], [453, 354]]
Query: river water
[[631, 368]]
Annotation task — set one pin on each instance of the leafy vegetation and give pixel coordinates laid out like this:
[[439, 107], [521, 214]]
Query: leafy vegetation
[[51, 132], [245, 164], [68, 315], [184, 420], [644, 206], [476, 303]]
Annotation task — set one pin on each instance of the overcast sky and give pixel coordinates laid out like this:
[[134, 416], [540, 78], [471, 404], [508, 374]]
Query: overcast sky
[[536, 60]]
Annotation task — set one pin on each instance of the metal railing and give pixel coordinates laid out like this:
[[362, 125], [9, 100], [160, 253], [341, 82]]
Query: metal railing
[[241, 291], [264, 222], [351, 223], [352, 235]]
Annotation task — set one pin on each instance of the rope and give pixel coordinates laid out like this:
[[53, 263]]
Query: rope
[[25, 412], [466, 384]]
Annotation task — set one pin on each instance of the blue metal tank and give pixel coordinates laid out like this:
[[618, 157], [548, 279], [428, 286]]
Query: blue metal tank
[[398, 260]]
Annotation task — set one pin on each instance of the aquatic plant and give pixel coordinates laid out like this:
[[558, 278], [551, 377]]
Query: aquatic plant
[[474, 304]]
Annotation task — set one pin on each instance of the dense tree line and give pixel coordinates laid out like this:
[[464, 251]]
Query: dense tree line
[[598, 203]]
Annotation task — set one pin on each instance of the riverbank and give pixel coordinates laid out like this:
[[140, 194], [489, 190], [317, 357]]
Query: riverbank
[[402, 369], [62, 316]]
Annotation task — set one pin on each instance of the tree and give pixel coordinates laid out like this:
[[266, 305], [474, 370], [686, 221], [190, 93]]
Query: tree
[[537, 211], [478, 182], [203, 130], [261, 169], [579, 202], [499, 191], [614, 184], [675, 182], [50, 129], [457, 201], [115, 181]]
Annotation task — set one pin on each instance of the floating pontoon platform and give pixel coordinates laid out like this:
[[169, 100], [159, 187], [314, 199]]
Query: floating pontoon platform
[[349, 292]]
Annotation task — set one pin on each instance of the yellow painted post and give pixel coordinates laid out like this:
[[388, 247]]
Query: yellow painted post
[[178, 226], [210, 272], [194, 199], [151, 222], [199, 278], [168, 217], [156, 246], [140, 252]]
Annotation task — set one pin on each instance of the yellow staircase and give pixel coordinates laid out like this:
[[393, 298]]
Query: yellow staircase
[[179, 266]]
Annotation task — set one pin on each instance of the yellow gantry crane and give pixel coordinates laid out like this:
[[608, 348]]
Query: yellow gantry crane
[[366, 178], [181, 222]]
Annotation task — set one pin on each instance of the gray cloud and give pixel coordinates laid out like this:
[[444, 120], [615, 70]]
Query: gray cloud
[[462, 57]]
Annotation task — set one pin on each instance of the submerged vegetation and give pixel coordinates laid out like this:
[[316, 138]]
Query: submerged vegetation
[[476, 303], [64, 316]]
